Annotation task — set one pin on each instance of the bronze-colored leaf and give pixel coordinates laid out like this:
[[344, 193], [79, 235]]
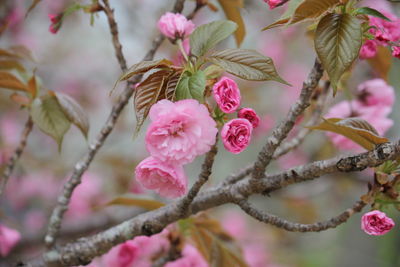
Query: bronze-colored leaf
[[9, 81], [148, 93], [170, 86], [284, 19], [356, 129], [147, 204], [382, 62], [311, 9], [22, 51], [232, 11], [11, 64], [142, 67], [338, 40], [32, 86]]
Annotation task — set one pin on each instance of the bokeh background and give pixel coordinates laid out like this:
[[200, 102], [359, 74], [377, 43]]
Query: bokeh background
[[79, 60]]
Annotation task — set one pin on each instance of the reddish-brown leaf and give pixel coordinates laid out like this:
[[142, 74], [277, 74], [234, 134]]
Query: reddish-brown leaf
[[9, 81]]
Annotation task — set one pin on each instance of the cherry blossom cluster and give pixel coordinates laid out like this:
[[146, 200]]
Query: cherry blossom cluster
[[236, 133], [385, 33], [374, 102]]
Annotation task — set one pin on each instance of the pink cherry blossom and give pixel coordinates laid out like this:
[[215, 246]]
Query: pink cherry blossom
[[175, 26], [368, 49], [180, 131], [8, 239], [236, 135], [250, 115], [376, 92], [385, 31], [274, 3], [191, 257], [376, 223], [168, 180], [227, 95], [396, 51]]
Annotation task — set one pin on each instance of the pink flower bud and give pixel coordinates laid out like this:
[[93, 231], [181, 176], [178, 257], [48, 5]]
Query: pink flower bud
[[168, 180], [236, 135], [175, 26], [376, 223], [227, 95], [8, 239], [55, 22], [250, 115], [274, 3]]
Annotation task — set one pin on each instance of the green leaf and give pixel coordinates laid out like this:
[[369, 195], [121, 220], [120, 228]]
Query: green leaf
[[147, 204], [246, 64], [74, 112], [209, 35], [47, 114], [9, 81], [311, 9], [356, 129], [232, 11], [191, 86], [370, 12], [213, 72], [338, 40]]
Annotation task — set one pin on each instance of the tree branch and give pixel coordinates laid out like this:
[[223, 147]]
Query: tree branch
[[83, 164], [203, 178], [283, 129], [85, 249], [299, 227], [16, 155]]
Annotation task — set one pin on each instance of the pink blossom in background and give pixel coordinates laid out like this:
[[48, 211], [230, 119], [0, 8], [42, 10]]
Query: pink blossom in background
[[137, 252], [368, 49], [250, 115], [256, 254], [180, 131], [376, 223], [10, 130], [385, 31], [238, 230], [191, 257], [266, 124], [396, 51], [274, 3], [168, 180], [292, 159], [236, 135], [35, 220], [87, 195], [227, 95], [175, 25], [376, 92], [8, 239]]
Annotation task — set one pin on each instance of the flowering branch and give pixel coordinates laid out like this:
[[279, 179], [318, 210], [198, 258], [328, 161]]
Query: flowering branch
[[17, 154], [299, 227], [85, 249], [83, 164], [283, 129]]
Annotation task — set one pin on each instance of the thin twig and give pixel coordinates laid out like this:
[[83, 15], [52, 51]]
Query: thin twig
[[283, 129], [206, 170], [288, 146], [299, 227], [16, 155], [83, 164]]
